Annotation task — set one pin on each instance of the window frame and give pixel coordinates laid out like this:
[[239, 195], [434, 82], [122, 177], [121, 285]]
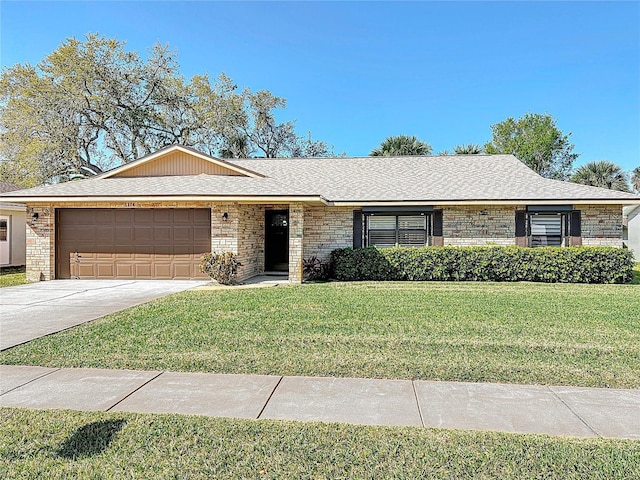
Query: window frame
[[564, 228], [427, 230]]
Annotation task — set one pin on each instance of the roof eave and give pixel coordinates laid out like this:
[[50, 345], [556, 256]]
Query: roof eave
[[175, 198], [533, 201]]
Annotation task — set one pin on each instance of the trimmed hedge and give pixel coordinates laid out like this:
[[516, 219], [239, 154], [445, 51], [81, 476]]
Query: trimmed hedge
[[494, 264]]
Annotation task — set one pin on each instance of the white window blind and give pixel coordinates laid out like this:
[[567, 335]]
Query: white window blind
[[546, 230], [412, 222], [392, 230], [382, 222]]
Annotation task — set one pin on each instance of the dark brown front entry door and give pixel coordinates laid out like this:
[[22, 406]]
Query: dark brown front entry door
[[276, 240]]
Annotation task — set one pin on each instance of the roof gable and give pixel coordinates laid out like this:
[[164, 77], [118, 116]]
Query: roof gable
[[177, 160]]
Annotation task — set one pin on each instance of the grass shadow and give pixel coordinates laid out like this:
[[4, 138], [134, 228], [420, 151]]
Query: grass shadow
[[636, 277], [92, 439]]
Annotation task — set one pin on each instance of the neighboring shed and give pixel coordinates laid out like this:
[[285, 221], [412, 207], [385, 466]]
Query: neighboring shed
[[12, 230]]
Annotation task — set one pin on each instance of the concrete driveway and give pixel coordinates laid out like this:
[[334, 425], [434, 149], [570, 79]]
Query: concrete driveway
[[38, 309]]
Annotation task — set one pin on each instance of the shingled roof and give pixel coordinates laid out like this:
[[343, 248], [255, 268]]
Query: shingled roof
[[458, 179], [9, 187]]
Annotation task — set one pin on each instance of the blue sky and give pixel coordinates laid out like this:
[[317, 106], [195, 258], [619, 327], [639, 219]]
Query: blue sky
[[354, 73]]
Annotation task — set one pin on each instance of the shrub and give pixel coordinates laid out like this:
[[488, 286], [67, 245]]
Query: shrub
[[497, 264], [313, 268], [222, 267]]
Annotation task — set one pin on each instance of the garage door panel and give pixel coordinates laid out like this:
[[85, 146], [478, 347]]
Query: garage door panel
[[142, 234], [106, 234], [131, 243], [123, 216], [162, 251], [143, 270], [183, 270], [162, 234], [86, 270], [123, 235], [202, 235], [179, 251], [142, 216], [105, 270], [123, 252], [82, 234], [162, 270], [202, 217], [183, 234], [161, 215], [124, 270], [143, 252], [183, 216]]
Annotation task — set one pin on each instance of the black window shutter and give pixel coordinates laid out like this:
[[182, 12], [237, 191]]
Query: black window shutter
[[575, 227], [437, 223], [521, 223], [357, 228]]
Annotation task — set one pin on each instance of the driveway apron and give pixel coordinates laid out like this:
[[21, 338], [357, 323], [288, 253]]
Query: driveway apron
[[38, 309]]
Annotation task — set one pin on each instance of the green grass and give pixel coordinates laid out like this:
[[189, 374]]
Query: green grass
[[12, 276], [58, 444], [636, 275], [585, 335]]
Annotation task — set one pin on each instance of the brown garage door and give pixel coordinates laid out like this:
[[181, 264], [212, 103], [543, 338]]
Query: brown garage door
[[123, 243]]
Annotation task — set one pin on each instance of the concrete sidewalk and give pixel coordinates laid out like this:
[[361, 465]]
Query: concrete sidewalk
[[565, 411]]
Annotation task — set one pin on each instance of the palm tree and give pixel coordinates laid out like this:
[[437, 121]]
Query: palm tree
[[602, 173], [635, 179], [401, 145], [469, 149]]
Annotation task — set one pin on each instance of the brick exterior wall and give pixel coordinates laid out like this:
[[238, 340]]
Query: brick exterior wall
[[601, 225], [40, 237], [224, 234], [296, 231], [251, 240], [313, 230], [327, 228], [490, 225]]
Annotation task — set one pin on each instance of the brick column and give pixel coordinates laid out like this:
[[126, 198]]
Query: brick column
[[40, 243], [296, 237], [224, 233]]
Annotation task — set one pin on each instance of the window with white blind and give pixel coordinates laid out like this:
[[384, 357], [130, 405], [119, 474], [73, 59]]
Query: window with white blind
[[547, 230], [397, 230]]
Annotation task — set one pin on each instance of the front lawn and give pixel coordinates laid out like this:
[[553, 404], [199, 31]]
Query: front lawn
[[636, 274], [12, 276], [58, 444], [560, 334]]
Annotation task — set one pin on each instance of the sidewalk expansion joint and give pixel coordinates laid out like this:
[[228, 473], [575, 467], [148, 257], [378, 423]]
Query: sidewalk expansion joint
[[415, 395], [270, 395], [133, 391], [33, 380], [598, 434]]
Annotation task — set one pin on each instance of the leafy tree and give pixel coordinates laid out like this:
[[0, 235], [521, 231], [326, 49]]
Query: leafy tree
[[635, 179], [92, 105], [535, 140], [255, 131], [602, 173], [469, 149], [401, 145]]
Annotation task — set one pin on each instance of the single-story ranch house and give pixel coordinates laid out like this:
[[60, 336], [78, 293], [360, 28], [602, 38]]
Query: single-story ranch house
[[155, 217]]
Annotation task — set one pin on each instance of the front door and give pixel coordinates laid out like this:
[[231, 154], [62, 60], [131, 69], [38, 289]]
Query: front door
[[276, 240]]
